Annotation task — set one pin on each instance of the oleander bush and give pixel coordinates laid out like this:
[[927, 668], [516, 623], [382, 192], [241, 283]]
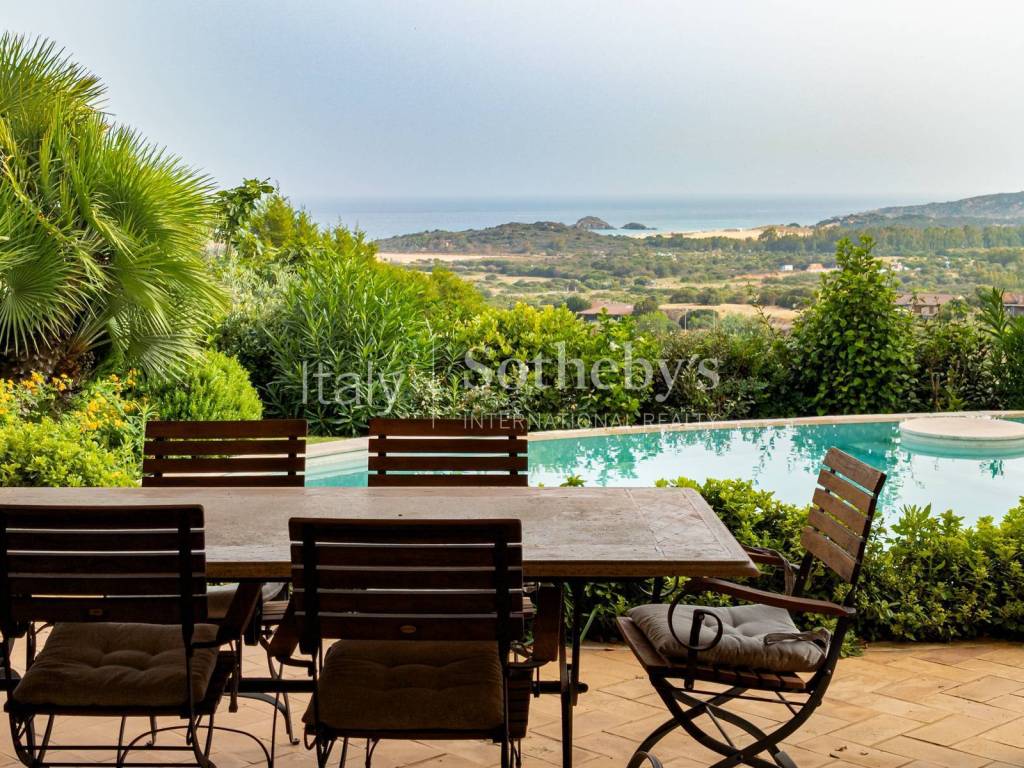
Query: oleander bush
[[51, 435], [926, 577], [214, 387]]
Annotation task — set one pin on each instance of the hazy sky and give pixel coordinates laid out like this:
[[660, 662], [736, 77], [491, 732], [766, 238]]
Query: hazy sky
[[478, 98]]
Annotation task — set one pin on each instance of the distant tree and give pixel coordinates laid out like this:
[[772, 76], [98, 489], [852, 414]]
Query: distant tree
[[853, 346], [235, 208], [646, 305], [575, 303]]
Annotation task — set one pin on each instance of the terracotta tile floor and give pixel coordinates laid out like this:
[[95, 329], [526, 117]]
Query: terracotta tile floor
[[913, 706]]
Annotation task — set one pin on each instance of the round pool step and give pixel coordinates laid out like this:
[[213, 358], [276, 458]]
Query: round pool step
[[966, 436]]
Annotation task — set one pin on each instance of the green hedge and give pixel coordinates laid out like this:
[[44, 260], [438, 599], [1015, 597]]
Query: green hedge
[[926, 577], [215, 388]]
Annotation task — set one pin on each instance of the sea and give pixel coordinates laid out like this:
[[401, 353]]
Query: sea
[[386, 218]]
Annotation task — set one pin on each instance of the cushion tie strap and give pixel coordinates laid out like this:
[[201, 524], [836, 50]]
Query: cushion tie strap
[[819, 638]]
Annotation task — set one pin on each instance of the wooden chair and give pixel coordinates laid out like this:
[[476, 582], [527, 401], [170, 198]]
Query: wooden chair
[[767, 660], [224, 453], [425, 614], [448, 452], [116, 583], [203, 454]]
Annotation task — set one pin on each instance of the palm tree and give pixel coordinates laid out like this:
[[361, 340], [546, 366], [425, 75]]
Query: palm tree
[[101, 233]]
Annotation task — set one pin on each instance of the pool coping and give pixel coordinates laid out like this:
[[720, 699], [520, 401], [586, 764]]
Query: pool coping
[[359, 445]]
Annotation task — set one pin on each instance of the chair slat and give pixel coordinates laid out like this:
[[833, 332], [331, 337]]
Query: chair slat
[[222, 447], [848, 515], [447, 481], [830, 553], [226, 429], [150, 610], [44, 584], [846, 490], [75, 540], [396, 445], [224, 481], [448, 463], [483, 427], [835, 531], [22, 563], [121, 517], [397, 555], [410, 627], [238, 465], [857, 471], [412, 578]]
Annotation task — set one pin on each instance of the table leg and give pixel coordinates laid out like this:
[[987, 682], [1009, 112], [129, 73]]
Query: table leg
[[569, 670]]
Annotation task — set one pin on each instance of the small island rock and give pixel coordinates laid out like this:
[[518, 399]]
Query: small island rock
[[592, 222], [636, 225]]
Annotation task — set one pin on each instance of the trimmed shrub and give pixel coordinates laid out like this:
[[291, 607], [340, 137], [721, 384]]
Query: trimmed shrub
[[216, 387]]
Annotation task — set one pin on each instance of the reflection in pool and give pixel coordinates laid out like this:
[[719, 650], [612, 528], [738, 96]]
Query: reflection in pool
[[783, 459]]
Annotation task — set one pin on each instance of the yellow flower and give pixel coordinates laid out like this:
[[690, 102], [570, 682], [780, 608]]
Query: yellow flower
[[37, 377]]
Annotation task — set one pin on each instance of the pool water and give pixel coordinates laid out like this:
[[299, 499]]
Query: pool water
[[783, 459]]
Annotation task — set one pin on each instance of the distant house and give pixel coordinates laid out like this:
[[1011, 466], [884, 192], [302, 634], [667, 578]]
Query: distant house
[[1014, 304], [925, 304], [787, 268], [612, 308], [815, 267]]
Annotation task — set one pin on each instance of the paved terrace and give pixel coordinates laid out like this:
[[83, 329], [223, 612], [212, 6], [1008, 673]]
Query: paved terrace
[[897, 706]]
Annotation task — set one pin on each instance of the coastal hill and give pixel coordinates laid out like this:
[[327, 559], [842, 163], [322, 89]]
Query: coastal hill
[[1005, 208], [512, 238]]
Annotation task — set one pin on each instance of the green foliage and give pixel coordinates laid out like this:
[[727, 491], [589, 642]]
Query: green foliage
[[934, 579], [214, 388], [729, 372], [51, 436], [853, 346], [954, 372], [575, 303], [235, 209], [349, 336], [608, 352], [103, 232], [1007, 335]]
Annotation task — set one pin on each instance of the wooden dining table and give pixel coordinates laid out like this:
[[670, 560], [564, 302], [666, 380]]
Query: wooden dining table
[[572, 536]]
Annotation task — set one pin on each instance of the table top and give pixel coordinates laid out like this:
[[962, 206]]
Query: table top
[[582, 533]]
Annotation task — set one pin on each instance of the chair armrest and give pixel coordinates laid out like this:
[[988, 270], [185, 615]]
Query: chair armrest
[[244, 605], [285, 641], [766, 556], [789, 602]]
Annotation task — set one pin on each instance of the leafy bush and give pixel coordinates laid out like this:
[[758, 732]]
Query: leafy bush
[[349, 334], [748, 362], [504, 345], [50, 436], [954, 366], [1007, 360], [214, 388], [103, 233], [854, 346]]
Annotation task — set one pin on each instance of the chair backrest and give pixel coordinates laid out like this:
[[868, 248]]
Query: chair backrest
[[483, 451], [843, 508], [91, 563], [224, 453], [407, 580]]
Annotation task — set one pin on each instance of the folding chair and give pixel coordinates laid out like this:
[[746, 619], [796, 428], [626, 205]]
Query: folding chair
[[125, 591], [755, 651], [424, 615], [204, 454]]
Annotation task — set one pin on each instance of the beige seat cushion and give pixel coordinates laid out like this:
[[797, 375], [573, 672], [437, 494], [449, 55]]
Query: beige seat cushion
[[410, 686], [116, 665], [743, 639], [219, 597]]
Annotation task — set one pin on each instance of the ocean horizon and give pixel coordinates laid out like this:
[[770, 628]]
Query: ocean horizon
[[387, 218]]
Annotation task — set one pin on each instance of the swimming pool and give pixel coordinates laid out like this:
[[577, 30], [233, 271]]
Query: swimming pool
[[780, 458]]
